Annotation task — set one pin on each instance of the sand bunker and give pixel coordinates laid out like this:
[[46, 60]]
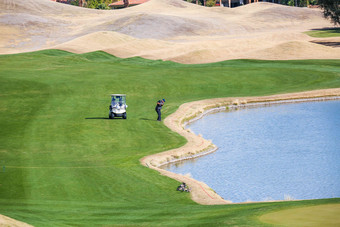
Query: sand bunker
[[167, 29], [6, 221]]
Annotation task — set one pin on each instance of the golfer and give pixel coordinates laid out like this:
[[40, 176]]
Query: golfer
[[158, 108]]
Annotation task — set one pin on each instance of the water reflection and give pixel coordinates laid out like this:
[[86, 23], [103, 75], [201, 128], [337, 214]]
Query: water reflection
[[180, 163]]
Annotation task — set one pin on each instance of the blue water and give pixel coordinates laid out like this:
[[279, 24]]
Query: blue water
[[287, 151]]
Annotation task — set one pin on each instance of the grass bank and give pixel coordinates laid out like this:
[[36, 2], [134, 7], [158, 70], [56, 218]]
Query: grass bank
[[64, 163], [324, 33]]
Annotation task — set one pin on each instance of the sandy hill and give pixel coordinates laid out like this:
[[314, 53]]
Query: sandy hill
[[165, 29]]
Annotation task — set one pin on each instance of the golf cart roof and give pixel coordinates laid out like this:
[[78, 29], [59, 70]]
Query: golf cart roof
[[118, 95]]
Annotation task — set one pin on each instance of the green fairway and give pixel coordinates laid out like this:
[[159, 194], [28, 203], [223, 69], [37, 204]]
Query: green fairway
[[322, 215], [63, 162], [324, 33]]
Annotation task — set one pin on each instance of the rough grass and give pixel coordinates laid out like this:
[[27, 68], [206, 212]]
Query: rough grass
[[324, 33], [64, 163]]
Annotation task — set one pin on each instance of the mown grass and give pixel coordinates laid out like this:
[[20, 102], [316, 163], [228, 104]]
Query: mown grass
[[64, 163], [324, 33], [322, 215]]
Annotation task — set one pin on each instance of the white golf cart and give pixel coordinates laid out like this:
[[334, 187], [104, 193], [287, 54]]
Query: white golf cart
[[118, 106]]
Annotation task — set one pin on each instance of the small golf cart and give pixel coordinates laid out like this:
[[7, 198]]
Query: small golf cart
[[118, 106]]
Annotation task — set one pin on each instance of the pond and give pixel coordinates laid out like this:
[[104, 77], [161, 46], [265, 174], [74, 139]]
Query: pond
[[277, 152]]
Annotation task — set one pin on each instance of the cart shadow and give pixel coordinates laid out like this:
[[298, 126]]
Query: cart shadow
[[147, 119], [101, 118], [97, 118]]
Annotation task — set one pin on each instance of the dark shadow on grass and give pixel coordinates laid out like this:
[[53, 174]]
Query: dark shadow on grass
[[146, 119], [104, 118], [336, 30], [329, 44]]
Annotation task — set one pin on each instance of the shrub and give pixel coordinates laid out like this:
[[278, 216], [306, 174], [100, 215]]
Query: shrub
[[211, 3]]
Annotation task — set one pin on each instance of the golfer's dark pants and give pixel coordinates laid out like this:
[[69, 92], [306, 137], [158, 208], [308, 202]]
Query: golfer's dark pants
[[159, 114]]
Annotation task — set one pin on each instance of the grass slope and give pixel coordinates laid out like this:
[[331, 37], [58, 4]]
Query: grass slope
[[64, 163], [324, 33]]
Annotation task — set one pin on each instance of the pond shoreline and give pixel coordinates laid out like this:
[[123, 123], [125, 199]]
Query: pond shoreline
[[198, 146]]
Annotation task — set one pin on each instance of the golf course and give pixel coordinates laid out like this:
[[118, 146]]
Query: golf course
[[63, 162]]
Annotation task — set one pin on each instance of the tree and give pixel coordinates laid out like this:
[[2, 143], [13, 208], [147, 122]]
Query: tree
[[331, 10], [291, 2], [74, 2], [102, 6], [211, 3], [98, 4]]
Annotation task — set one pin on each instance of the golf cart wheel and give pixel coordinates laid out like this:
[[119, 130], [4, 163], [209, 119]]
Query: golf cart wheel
[[124, 115]]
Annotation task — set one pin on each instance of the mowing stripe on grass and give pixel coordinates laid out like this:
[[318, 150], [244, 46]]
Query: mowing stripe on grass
[[54, 114]]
